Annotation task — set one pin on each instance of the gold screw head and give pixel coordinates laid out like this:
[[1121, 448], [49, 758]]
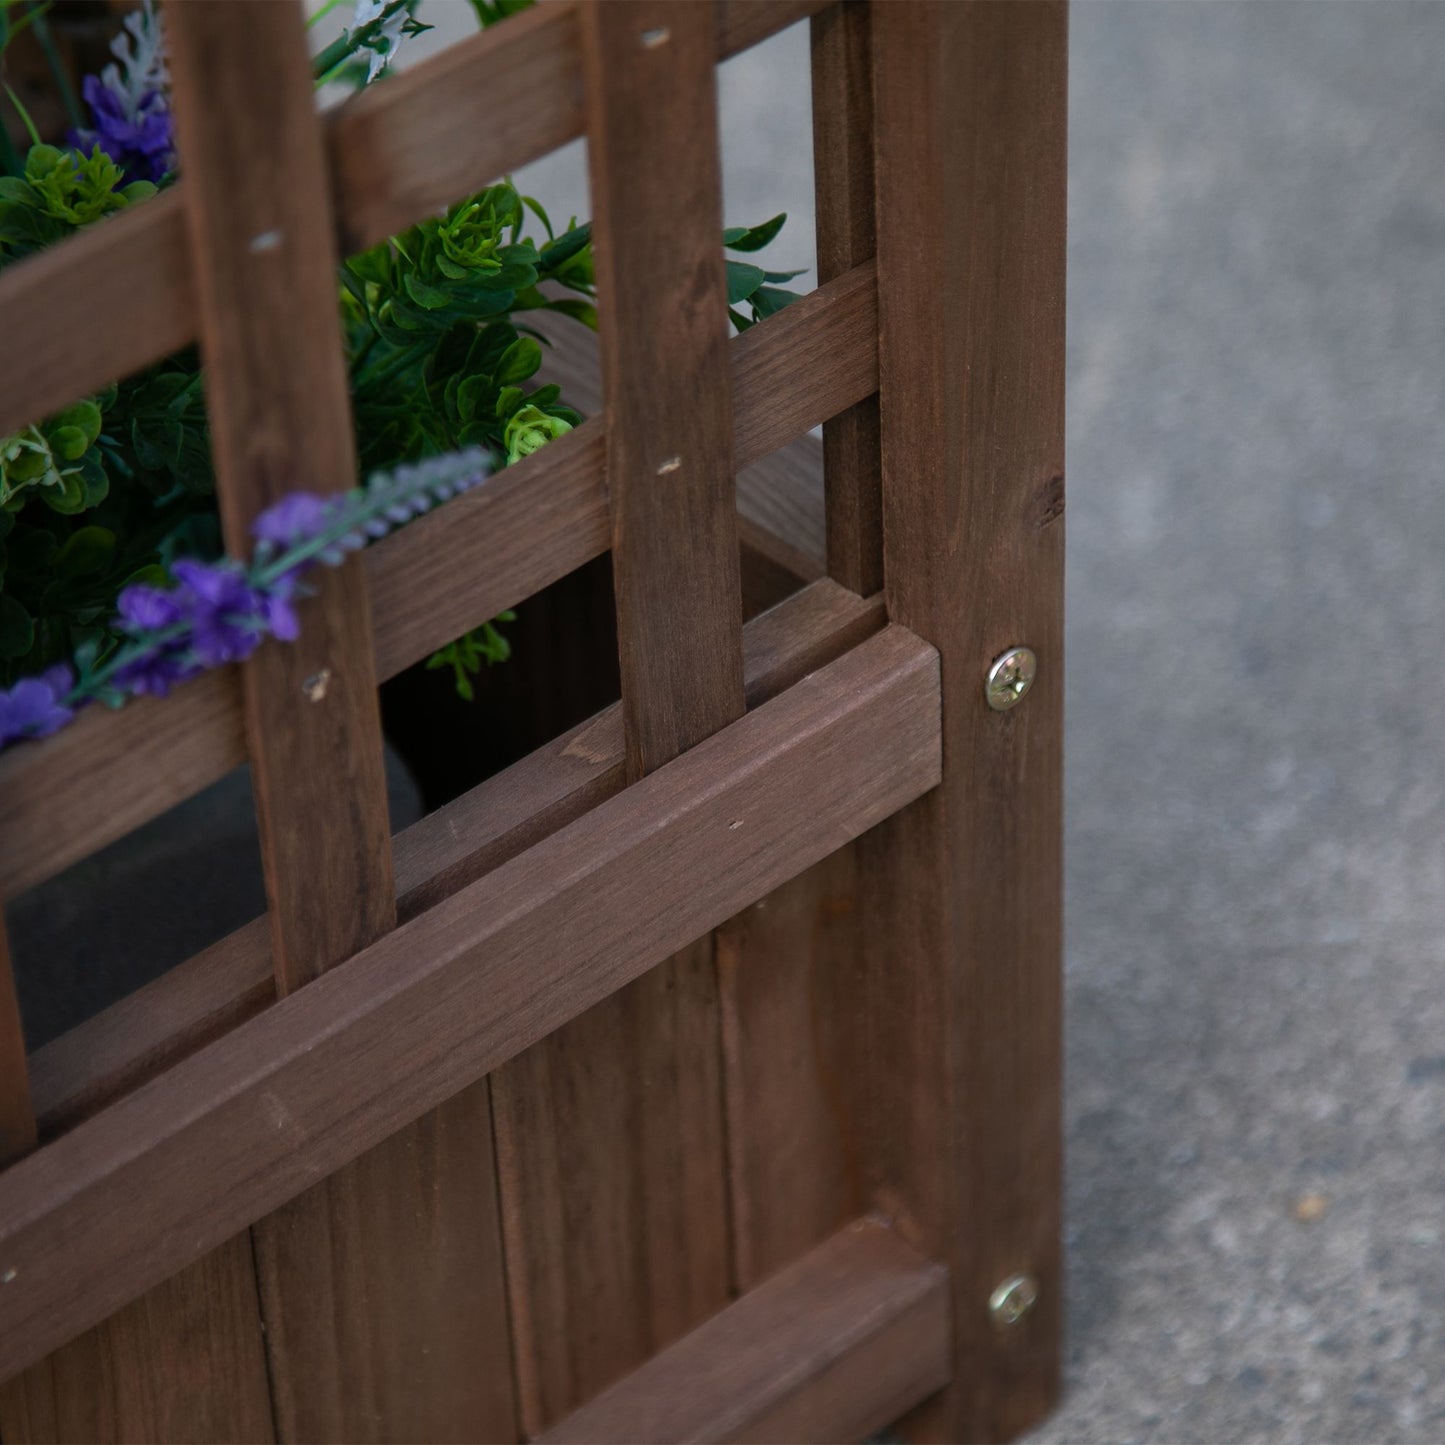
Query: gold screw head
[[1010, 678], [1013, 1299]]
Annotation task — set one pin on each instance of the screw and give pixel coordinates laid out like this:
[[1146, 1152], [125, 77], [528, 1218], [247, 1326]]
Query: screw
[[1010, 677], [1013, 1299]]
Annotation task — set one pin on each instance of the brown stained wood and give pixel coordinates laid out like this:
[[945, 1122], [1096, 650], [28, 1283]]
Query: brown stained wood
[[497, 545], [184, 1363], [404, 1263], [835, 1346], [962, 923], [788, 978], [17, 1114], [780, 509], [843, 185], [610, 1151], [657, 213], [252, 1119], [397, 153], [625, 1104], [111, 1054], [264, 260], [125, 286]]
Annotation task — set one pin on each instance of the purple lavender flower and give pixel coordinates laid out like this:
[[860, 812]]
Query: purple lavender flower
[[33, 707], [156, 672], [224, 612], [142, 608], [295, 518], [138, 136], [129, 101]]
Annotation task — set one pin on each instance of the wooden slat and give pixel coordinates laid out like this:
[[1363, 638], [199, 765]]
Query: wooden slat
[[832, 1348], [495, 546], [360, 1347], [124, 286], [184, 1363], [111, 1054], [17, 1114], [610, 1132], [843, 182], [341, 1064], [276, 393], [962, 929], [788, 978], [427, 138]]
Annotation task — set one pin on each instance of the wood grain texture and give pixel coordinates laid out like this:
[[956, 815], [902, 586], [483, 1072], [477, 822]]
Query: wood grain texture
[[255, 1117], [403, 1333], [963, 889], [843, 187], [496, 546], [832, 1348], [657, 214], [788, 979], [610, 1132], [264, 260], [114, 1052], [184, 1363], [17, 1113], [381, 1285]]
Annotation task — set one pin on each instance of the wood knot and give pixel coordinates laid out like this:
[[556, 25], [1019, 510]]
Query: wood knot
[[1047, 505]]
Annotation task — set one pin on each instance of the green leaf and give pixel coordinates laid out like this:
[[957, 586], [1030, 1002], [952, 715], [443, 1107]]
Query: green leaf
[[427, 296], [88, 550], [753, 238], [519, 361], [84, 415], [17, 628], [69, 441], [743, 280], [568, 244], [768, 299], [509, 400]]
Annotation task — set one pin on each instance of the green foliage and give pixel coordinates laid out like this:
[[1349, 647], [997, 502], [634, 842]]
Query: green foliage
[[438, 362], [59, 192], [466, 656], [751, 284]]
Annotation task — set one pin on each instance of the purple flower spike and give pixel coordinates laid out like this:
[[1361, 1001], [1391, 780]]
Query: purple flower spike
[[144, 609], [224, 611], [155, 673], [295, 518], [32, 708]]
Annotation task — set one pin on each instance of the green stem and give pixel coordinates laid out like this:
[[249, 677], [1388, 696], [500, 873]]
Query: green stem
[[58, 73]]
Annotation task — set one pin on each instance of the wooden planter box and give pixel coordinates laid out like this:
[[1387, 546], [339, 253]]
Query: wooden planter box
[[697, 1076]]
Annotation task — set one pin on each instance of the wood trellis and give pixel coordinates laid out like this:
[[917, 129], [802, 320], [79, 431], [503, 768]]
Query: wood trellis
[[526, 1122]]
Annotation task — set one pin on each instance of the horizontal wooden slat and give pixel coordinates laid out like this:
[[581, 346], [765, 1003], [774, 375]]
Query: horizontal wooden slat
[[256, 1117], [426, 138], [839, 1344], [94, 308], [445, 573], [77, 1074]]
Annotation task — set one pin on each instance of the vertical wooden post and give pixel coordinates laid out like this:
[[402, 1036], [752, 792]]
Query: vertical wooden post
[[843, 183], [381, 1286], [963, 932], [627, 1100]]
